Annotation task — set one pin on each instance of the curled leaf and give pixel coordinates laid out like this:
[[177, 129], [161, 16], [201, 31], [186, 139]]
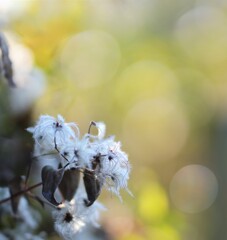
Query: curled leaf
[[101, 129], [51, 179]]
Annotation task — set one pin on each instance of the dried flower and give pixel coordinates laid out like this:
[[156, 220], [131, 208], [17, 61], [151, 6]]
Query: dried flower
[[100, 159]]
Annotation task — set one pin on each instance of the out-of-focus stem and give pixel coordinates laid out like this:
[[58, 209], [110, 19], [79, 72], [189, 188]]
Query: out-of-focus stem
[[20, 193]]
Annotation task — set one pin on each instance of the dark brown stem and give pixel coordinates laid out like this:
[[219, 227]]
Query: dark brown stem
[[56, 147], [20, 193], [28, 172], [92, 123]]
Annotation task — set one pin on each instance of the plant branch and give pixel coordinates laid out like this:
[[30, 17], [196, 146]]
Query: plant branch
[[20, 192]]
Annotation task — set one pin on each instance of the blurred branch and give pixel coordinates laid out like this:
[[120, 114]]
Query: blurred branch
[[5, 62], [20, 193]]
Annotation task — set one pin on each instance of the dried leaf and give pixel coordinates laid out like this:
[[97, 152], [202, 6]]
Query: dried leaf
[[69, 183], [51, 178], [6, 66], [93, 186]]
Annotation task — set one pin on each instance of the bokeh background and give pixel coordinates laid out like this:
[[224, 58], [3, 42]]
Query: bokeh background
[[155, 72]]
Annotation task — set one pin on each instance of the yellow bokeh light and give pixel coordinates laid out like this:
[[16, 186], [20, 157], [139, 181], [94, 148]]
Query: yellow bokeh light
[[152, 203], [164, 232], [145, 80]]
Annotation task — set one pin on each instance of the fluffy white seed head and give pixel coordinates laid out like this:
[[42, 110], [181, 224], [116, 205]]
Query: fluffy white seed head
[[95, 153], [49, 130], [115, 166], [79, 154], [67, 224], [72, 217]]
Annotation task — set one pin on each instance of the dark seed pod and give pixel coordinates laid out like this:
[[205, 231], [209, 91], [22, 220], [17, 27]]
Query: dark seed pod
[[93, 186], [51, 178], [69, 183]]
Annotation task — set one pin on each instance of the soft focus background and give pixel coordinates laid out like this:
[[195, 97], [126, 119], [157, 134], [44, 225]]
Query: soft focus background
[[155, 72]]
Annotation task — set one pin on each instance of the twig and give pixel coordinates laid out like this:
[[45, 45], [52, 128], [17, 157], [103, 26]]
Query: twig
[[56, 147], [28, 173], [20, 193]]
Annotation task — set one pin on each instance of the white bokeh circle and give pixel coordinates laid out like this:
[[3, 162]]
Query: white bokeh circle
[[90, 58], [155, 130], [193, 188]]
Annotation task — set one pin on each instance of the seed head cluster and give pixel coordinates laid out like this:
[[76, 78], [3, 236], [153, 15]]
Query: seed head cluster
[[100, 160]]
